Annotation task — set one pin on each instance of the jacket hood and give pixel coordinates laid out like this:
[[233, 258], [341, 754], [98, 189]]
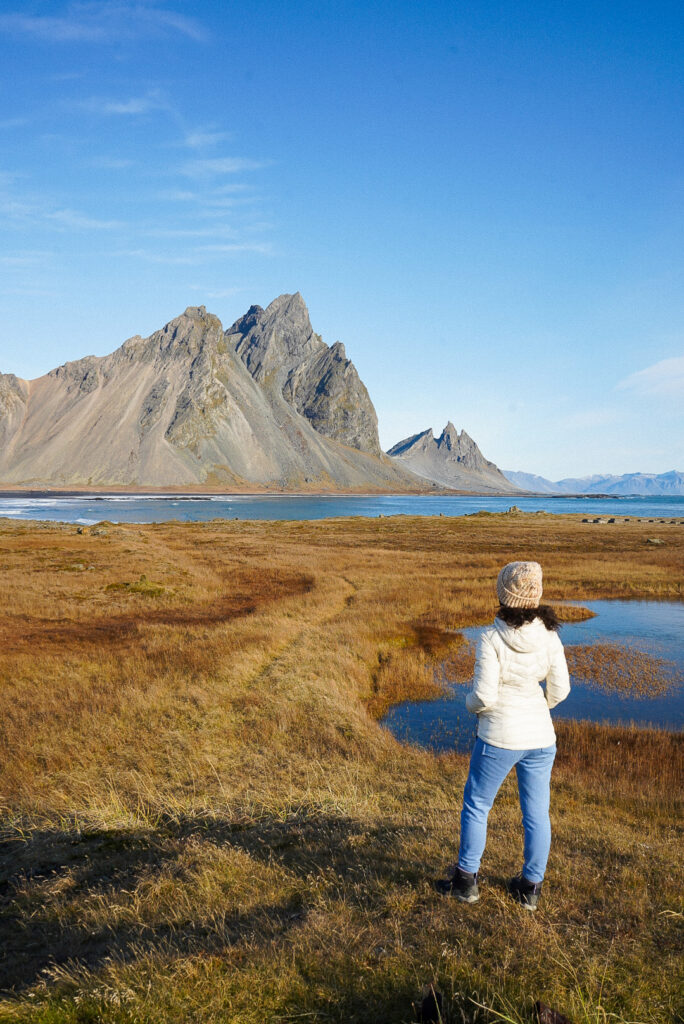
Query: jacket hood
[[528, 637]]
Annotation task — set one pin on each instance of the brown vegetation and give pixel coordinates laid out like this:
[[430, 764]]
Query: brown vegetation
[[202, 819], [623, 670]]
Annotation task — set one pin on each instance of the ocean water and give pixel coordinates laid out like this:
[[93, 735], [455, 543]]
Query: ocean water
[[87, 509], [652, 627]]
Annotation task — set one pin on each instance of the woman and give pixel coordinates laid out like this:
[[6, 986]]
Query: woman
[[514, 727]]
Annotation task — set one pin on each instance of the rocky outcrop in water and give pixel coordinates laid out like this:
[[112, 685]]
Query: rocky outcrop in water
[[451, 460]]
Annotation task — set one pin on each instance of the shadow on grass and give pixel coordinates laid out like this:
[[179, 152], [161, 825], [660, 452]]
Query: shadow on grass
[[47, 877]]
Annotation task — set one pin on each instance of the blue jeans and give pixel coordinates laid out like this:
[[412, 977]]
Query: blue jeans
[[489, 766]]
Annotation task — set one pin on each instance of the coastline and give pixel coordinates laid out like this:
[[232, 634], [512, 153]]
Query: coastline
[[199, 493]]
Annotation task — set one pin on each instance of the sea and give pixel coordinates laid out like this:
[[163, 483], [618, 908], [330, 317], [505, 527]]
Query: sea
[[118, 508]]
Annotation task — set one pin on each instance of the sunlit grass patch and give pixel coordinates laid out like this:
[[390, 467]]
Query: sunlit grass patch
[[623, 670], [572, 612], [139, 586]]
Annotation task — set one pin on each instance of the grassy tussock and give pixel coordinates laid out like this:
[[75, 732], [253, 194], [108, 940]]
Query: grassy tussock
[[202, 820], [573, 612]]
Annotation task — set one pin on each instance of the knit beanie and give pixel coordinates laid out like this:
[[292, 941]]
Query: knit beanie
[[519, 585]]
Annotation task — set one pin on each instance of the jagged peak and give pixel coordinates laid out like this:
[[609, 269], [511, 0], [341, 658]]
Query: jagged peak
[[290, 308], [339, 350], [287, 301], [415, 440]]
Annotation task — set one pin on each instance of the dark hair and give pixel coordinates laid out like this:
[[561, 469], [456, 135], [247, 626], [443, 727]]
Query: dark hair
[[517, 617]]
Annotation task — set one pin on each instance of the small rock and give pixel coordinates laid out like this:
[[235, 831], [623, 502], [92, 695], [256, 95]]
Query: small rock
[[99, 531], [431, 1005], [654, 540], [545, 1015], [611, 520]]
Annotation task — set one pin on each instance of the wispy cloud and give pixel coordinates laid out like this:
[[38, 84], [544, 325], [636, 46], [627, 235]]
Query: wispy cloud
[[99, 22], [223, 195], [132, 106], [217, 231], [19, 260], [202, 139], [38, 210], [75, 219], [264, 248], [661, 380], [221, 165], [187, 259], [199, 254]]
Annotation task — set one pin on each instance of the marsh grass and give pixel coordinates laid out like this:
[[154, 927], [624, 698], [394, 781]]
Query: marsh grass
[[203, 821], [140, 586], [623, 670], [572, 612]]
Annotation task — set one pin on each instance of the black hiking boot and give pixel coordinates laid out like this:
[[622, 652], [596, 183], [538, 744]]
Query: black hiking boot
[[462, 884], [524, 892]]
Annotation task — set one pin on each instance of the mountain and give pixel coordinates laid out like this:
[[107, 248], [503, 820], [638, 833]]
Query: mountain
[[265, 403], [531, 482], [282, 353], [452, 460], [671, 483]]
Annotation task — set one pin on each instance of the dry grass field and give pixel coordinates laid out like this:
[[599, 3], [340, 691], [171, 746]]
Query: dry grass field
[[202, 820]]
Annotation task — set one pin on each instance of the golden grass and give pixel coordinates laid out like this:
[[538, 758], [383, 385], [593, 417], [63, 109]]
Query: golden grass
[[624, 670], [573, 612], [202, 820]]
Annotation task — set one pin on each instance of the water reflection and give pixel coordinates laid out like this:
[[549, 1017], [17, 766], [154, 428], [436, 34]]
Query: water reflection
[[655, 628]]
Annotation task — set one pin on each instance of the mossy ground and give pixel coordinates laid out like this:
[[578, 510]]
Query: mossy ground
[[203, 821]]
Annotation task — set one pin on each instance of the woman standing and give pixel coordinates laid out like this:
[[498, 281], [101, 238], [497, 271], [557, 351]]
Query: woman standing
[[514, 728]]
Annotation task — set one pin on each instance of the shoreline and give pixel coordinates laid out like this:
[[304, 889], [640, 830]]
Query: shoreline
[[199, 494]]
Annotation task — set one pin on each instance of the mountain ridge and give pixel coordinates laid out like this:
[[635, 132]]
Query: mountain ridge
[[670, 483], [181, 408], [452, 460]]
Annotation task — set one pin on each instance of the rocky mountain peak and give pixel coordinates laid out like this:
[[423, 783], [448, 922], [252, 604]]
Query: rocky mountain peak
[[449, 437], [271, 342], [424, 441], [287, 358], [186, 336], [452, 459]]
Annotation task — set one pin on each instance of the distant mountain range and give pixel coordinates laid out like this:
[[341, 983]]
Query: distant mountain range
[[452, 460], [671, 483]]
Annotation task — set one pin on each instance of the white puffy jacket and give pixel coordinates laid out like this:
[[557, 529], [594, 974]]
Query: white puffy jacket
[[512, 708]]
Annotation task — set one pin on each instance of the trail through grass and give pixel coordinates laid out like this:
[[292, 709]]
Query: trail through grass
[[203, 821]]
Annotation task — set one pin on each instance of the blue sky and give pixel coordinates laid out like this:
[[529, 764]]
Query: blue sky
[[483, 201]]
